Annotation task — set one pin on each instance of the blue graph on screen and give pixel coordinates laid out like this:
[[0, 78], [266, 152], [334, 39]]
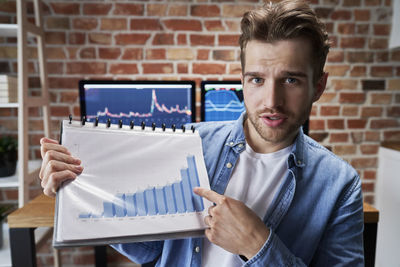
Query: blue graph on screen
[[172, 198], [158, 105], [222, 105]]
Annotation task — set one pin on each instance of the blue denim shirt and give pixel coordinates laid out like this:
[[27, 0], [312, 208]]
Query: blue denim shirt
[[316, 218]]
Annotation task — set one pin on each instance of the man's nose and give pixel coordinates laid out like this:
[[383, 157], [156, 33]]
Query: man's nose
[[272, 96]]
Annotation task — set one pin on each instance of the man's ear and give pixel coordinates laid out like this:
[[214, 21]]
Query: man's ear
[[241, 78], [320, 86]]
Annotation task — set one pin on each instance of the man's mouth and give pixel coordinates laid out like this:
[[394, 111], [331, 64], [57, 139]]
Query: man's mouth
[[274, 120]]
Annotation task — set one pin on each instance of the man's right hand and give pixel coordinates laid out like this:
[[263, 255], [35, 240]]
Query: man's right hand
[[58, 166]]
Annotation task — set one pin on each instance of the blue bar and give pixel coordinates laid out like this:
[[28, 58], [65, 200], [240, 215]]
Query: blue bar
[[84, 216], [194, 181], [180, 203], [109, 209], [150, 201], [170, 199], [160, 199], [130, 205], [141, 204], [187, 190], [120, 210]]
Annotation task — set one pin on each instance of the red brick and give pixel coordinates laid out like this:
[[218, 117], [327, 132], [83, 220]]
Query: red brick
[[382, 56], [152, 68], [393, 111], [128, 9], [350, 111], [235, 68], [381, 98], [352, 98], [88, 52], [163, 39], [370, 199], [208, 68], [228, 40], [131, 38], [337, 70], [214, 25], [182, 39], [378, 43], [55, 53], [178, 10], [346, 28], [69, 97], [352, 42], [182, 25], [100, 38], [381, 71], [362, 15], [202, 54], [335, 124], [358, 71], [360, 56], [372, 2], [233, 26], [77, 38], [157, 9], [206, 40], [63, 82], [145, 24], [329, 110], [124, 68], [351, 3], [368, 187], [109, 53], [335, 56], [156, 53], [362, 29], [319, 137], [344, 84], [86, 68], [132, 54], [369, 149], [183, 68], [205, 11], [338, 137], [362, 163], [356, 123], [60, 111], [84, 23], [8, 7], [367, 112], [391, 135], [327, 97], [317, 124], [382, 123], [344, 149], [56, 38], [381, 29], [57, 23], [395, 55], [235, 10], [96, 9], [113, 24], [369, 174], [341, 15], [65, 8], [372, 136], [225, 55]]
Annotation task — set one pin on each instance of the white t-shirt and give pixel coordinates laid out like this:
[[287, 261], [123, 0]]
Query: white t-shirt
[[255, 181]]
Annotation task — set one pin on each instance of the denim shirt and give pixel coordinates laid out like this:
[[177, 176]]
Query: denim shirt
[[315, 219]]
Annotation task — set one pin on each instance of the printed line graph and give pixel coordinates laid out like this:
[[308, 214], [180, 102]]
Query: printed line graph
[[222, 105], [166, 105], [172, 198]]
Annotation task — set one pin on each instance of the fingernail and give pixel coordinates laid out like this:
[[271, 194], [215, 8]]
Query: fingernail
[[78, 161], [79, 168]]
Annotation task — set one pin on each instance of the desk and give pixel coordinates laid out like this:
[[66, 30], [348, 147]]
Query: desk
[[371, 218], [39, 212]]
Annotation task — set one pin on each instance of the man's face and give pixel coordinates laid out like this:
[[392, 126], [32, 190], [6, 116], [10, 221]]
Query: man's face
[[278, 91]]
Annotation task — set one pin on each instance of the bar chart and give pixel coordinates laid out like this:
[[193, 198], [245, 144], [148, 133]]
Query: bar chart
[[173, 198]]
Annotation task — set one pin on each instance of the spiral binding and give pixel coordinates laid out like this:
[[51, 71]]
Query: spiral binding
[[132, 125]]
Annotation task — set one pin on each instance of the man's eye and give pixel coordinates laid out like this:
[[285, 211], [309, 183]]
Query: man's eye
[[256, 80], [290, 80]]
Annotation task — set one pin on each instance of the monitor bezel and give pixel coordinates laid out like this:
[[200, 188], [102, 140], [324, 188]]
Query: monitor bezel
[[82, 98]]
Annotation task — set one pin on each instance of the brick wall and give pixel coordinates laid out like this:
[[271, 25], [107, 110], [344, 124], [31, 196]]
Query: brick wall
[[197, 40]]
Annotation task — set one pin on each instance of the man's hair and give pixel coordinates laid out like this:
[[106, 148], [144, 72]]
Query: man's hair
[[282, 21]]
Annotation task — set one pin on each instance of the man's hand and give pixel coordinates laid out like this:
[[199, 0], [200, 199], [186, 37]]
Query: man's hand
[[58, 166], [233, 226]]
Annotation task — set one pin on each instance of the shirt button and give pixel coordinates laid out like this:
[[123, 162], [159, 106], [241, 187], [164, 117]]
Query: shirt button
[[229, 165], [240, 145], [299, 162], [197, 249], [231, 143]]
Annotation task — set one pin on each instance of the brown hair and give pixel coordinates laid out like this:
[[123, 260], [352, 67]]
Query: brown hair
[[282, 21]]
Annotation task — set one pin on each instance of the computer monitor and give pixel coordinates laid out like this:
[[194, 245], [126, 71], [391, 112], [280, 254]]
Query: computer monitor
[[223, 100], [169, 102]]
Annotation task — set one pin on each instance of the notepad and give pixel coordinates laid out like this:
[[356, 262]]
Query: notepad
[[136, 185]]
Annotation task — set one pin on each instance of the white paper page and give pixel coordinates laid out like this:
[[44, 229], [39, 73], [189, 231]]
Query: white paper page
[[133, 183]]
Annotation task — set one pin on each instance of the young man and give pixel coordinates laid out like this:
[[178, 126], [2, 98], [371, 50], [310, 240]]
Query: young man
[[280, 198]]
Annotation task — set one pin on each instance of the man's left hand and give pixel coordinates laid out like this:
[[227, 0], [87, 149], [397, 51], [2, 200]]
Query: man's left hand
[[233, 226]]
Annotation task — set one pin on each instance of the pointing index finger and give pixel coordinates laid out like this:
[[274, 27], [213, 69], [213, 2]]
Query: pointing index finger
[[209, 194]]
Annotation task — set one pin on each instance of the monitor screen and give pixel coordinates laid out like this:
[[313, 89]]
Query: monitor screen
[[169, 102], [223, 101]]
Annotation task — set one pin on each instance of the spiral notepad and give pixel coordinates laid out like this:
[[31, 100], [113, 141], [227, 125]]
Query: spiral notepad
[[136, 185]]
